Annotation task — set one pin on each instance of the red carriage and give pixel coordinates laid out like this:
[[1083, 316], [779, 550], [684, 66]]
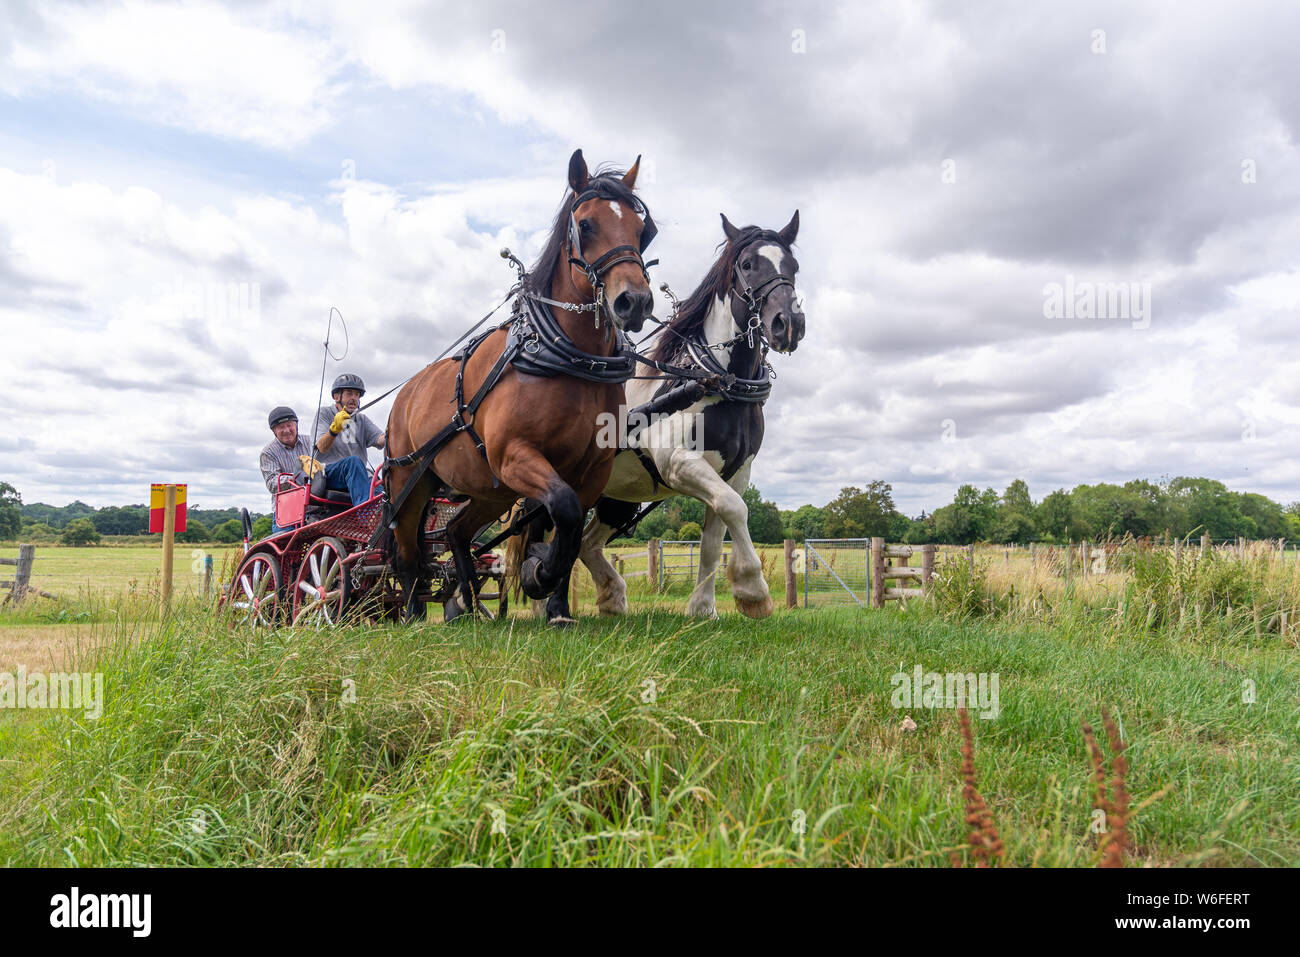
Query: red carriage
[[332, 562]]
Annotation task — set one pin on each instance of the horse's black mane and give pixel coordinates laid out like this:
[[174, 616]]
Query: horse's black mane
[[607, 183], [690, 316]]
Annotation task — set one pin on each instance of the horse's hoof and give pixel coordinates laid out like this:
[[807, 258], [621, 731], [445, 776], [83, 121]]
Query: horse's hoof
[[528, 578], [561, 621], [755, 609], [452, 611]]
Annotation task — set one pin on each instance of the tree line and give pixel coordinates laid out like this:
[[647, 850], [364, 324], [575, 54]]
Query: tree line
[[1180, 506]]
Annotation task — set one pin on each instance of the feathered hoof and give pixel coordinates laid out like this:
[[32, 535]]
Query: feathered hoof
[[755, 609], [561, 621]]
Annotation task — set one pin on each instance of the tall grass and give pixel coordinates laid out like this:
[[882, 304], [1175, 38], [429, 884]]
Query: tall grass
[[648, 741]]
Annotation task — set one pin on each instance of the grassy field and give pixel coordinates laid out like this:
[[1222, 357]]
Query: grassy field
[[658, 740]]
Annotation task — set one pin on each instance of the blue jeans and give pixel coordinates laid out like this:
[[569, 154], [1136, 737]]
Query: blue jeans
[[349, 475]]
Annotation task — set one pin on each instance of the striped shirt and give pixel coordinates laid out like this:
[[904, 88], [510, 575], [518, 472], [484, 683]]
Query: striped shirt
[[278, 457]]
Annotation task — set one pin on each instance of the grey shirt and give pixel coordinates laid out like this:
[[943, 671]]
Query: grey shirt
[[278, 457], [359, 434]]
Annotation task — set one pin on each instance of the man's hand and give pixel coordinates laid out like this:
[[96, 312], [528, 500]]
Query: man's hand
[[340, 419]]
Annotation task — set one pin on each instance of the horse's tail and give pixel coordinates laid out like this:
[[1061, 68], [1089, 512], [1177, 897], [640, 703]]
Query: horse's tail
[[517, 546]]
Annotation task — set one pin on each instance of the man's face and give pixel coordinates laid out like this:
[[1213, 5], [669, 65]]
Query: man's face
[[286, 432], [347, 399]]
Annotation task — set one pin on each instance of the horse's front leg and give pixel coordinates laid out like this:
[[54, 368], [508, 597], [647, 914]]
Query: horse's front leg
[[689, 474], [546, 568]]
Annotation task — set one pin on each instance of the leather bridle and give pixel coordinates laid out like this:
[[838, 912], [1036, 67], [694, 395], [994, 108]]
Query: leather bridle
[[595, 271]]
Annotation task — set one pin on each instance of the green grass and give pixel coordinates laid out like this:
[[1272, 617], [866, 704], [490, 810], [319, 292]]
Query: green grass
[[221, 747]]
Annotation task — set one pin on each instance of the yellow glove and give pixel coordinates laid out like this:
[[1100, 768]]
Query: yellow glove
[[310, 466], [340, 418]]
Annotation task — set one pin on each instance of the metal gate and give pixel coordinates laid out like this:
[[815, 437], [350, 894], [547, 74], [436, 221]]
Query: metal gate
[[680, 561], [837, 572]]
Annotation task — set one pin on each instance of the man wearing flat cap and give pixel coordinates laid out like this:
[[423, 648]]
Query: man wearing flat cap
[[290, 453]]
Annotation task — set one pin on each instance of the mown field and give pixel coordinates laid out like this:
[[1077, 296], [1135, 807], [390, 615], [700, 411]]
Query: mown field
[[659, 740]]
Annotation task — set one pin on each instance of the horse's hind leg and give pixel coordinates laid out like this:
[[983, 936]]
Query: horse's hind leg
[[703, 603], [465, 601], [611, 590]]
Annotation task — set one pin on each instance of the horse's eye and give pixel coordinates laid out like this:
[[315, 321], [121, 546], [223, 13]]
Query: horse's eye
[[745, 265], [585, 225]]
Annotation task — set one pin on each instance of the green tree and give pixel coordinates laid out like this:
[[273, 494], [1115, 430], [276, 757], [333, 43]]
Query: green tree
[[122, 520], [806, 521], [262, 528], [1014, 520], [228, 532], [1054, 516], [1269, 519], [195, 531], [690, 532], [78, 532], [764, 518], [11, 514], [860, 513]]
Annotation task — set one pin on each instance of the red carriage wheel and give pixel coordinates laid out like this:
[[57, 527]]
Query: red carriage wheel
[[254, 597], [321, 589]]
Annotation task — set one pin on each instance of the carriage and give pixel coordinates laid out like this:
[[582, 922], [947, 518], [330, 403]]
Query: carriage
[[332, 562]]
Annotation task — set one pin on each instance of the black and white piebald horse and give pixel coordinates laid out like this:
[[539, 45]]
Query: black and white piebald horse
[[745, 304]]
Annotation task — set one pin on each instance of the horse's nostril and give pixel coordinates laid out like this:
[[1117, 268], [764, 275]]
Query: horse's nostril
[[622, 304]]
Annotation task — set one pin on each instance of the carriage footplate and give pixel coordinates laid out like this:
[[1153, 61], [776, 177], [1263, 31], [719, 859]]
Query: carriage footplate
[[529, 570]]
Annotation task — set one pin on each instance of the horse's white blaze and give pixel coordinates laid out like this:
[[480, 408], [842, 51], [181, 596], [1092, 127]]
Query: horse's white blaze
[[773, 254], [618, 210]]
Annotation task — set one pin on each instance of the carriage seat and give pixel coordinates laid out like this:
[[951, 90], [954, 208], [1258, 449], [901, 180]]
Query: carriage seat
[[327, 497]]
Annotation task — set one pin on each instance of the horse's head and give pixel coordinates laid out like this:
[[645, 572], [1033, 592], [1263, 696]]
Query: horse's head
[[608, 232], [762, 281]]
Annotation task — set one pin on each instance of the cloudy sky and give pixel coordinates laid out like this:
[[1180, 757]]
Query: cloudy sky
[[969, 177]]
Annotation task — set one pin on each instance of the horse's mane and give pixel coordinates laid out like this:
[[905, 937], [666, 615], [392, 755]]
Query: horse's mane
[[606, 183], [689, 319]]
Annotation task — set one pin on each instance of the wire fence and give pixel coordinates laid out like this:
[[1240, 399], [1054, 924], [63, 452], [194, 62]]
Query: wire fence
[[836, 572]]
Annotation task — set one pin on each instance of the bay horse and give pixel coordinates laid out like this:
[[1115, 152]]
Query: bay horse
[[744, 303], [539, 384]]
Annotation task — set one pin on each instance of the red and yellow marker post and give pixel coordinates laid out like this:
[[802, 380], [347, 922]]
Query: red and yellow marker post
[[167, 515]]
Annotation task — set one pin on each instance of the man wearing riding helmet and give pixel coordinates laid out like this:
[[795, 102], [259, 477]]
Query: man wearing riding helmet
[[291, 453], [343, 431]]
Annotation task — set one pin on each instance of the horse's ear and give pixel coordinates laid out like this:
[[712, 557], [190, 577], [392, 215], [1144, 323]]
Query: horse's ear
[[578, 175], [791, 230], [629, 178], [731, 231]]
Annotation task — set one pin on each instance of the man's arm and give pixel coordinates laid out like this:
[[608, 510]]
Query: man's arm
[[326, 439], [270, 469]]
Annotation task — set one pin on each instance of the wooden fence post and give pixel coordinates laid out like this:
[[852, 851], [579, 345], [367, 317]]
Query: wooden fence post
[[970, 556], [652, 563], [791, 593], [927, 566], [1178, 550], [1205, 543], [1085, 559], [23, 571], [877, 572], [169, 539]]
